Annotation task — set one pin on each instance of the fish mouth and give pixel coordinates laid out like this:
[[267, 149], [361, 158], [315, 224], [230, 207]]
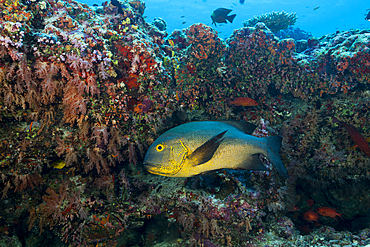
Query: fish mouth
[[154, 169], [149, 167]]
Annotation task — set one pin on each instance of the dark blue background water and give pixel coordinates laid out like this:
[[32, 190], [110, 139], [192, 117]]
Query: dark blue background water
[[331, 15]]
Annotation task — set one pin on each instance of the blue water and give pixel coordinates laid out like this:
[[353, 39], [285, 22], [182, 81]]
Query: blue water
[[332, 15]]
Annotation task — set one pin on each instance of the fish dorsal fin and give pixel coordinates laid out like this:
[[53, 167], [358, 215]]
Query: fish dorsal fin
[[254, 163], [205, 152], [246, 127], [224, 11]]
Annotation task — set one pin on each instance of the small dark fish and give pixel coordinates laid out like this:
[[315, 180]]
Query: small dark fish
[[182, 16], [241, 1], [367, 17], [316, 8], [95, 5], [118, 5], [183, 22], [220, 15]]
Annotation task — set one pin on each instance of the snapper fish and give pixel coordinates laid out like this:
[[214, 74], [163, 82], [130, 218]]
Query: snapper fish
[[329, 212], [360, 141], [310, 216], [243, 101], [199, 147]]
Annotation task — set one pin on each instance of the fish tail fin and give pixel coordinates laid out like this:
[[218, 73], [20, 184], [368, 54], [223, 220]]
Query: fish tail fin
[[340, 216], [273, 146], [230, 18]]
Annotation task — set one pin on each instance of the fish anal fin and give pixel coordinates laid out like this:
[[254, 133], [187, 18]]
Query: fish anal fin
[[206, 173], [253, 163], [274, 144], [206, 151]]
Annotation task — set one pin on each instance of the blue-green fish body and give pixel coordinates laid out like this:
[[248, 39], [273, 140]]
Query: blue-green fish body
[[198, 147]]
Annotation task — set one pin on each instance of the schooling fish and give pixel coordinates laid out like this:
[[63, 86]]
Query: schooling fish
[[328, 212], [220, 15], [368, 16], [310, 216], [198, 147], [356, 136], [241, 1]]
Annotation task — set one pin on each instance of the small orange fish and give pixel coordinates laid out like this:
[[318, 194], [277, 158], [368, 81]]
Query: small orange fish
[[310, 202], [328, 212], [295, 208], [356, 136], [310, 216], [243, 101]]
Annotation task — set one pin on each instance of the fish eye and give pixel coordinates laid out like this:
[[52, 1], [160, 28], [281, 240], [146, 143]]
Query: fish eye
[[159, 147]]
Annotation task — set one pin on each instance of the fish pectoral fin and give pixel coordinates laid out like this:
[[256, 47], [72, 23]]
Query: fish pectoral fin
[[254, 163], [205, 152]]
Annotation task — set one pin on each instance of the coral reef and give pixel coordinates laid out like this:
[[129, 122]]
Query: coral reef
[[294, 33], [90, 90], [275, 21]]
